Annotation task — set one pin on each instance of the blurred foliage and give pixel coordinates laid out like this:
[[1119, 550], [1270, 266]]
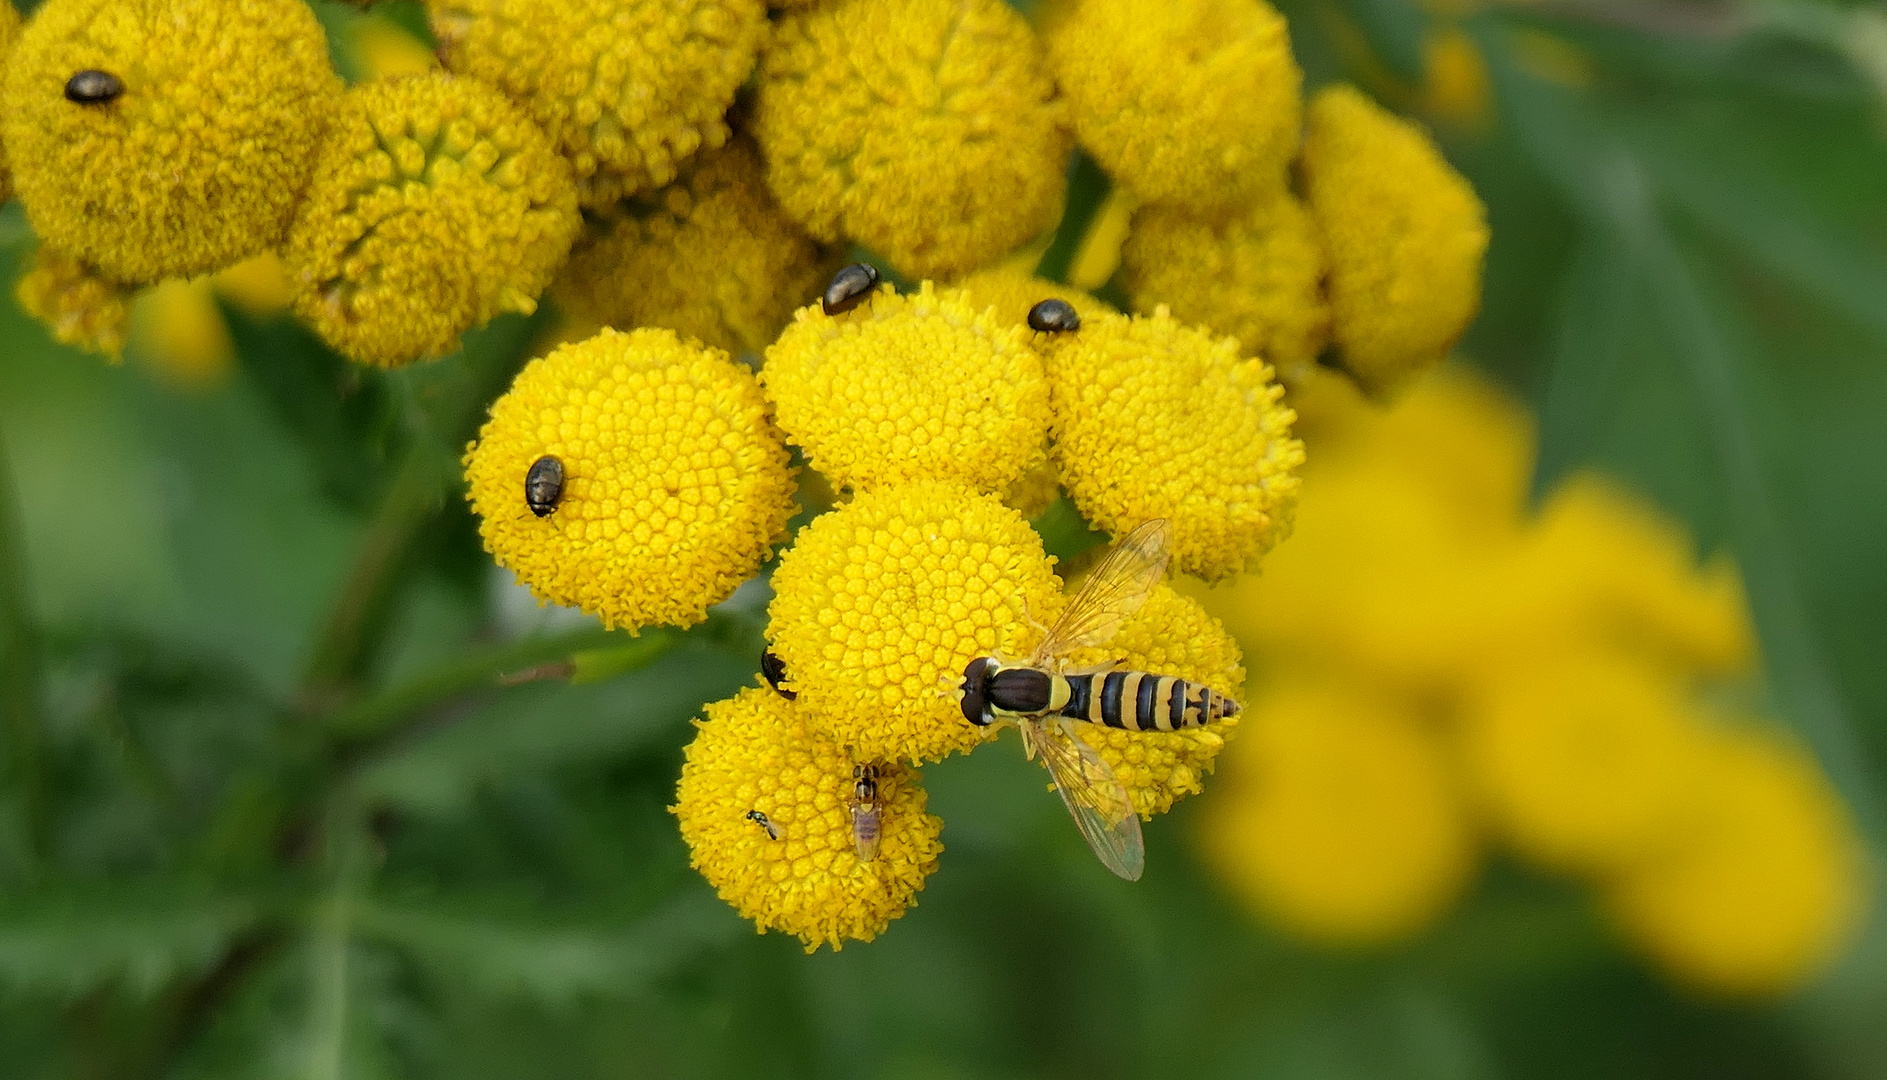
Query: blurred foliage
[[271, 812]]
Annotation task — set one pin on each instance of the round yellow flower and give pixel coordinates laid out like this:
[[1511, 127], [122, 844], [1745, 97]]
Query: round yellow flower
[[9, 30], [1013, 292], [675, 482], [797, 869], [197, 160], [628, 90], [1256, 274], [912, 386], [178, 330], [711, 256], [1585, 762], [1768, 891], [79, 306], [437, 206], [1171, 635], [925, 130], [1154, 419], [1336, 817], [881, 604], [1192, 102], [1404, 232]]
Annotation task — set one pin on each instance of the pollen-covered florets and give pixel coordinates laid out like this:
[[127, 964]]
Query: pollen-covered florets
[[1153, 419], [1192, 102], [926, 130], [674, 483], [80, 306], [197, 161], [907, 387], [711, 256], [9, 30], [795, 867], [1013, 292], [628, 90], [1405, 235], [1256, 274], [437, 206], [1170, 635], [881, 604]]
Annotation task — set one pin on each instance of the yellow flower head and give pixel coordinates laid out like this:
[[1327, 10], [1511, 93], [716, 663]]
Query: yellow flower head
[[9, 30], [1256, 274], [1585, 762], [177, 328], [926, 130], [1193, 102], [437, 206], [1013, 292], [883, 602], [912, 386], [1768, 890], [1336, 817], [1156, 419], [75, 302], [197, 137], [1171, 635], [711, 256], [1404, 232], [674, 482], [796, 868], [628, 90]]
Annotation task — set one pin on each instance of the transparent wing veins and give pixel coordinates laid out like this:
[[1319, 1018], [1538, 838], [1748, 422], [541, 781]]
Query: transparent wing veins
[[1094, 796], [1111, 594]]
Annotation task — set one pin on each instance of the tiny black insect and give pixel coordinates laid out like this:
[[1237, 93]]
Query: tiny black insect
[[91, 87], [773, 669], [1054, 316], [543, 485], [849, 288], [760, 819]]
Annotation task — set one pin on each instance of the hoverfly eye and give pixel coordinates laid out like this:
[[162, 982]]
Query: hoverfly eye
[[975, 685], [93, 87]]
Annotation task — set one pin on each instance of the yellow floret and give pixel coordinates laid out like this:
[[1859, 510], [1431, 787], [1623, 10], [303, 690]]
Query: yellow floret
[[913, 386], [883, 602], [1769, 889], [925, 130], [438, 205], [1256, 274], [9, 30], [78, 305], [755, 752], [1192, 102], [628, 90], [1013, 292], [1586, 762], [199, 162], [711, 256], [676, 483], [1155, 419], [1171, 635], [1336, 817], [1405, 235]]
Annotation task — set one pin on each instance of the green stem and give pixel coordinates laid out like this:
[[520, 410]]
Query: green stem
[[1087, 190], [20, 690]]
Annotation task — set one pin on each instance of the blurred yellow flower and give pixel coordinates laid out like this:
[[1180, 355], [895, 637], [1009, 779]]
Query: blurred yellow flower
[[9, 31], [1457, 89], [711, 256], [1405, 236], [925, 130], [1769, 889], [1156, 419], [1013, 292], [389, 50], [881, 604], [258, 286], [1256, 274], [197, 160], [437, 206], [796, 868], [177, 328], [627, 90], [916, 386], [1336, 816], [1099, 254], [80, 307], [1191, 102], [675, 484]]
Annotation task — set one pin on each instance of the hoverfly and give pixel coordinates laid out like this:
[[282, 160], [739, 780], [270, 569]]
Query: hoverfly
[[867, 812], [1044, 702]]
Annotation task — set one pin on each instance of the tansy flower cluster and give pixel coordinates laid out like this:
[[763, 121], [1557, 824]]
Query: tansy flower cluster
[[1439, 669]]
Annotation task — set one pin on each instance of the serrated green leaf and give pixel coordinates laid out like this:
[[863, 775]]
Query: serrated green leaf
[[76, 939]]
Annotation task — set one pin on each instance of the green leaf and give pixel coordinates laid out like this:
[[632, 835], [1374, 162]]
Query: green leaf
[[1583, 383], [1395, 30], [76, 939]]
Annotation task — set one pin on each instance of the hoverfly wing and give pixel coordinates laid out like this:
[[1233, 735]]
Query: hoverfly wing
[[1094, 796], [1111, 595]]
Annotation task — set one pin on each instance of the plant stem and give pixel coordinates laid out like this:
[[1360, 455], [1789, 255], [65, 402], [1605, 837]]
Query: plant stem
[[20, 690], [1087, 190]]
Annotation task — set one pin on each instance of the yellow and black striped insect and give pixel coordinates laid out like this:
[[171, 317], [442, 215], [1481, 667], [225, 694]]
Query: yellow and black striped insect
[[1045, 702]]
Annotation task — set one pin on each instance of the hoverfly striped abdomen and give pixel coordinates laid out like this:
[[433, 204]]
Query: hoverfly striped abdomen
[[1142, 701]]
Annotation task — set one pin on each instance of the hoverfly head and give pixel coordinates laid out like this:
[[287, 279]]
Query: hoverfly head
[[975, 699]]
